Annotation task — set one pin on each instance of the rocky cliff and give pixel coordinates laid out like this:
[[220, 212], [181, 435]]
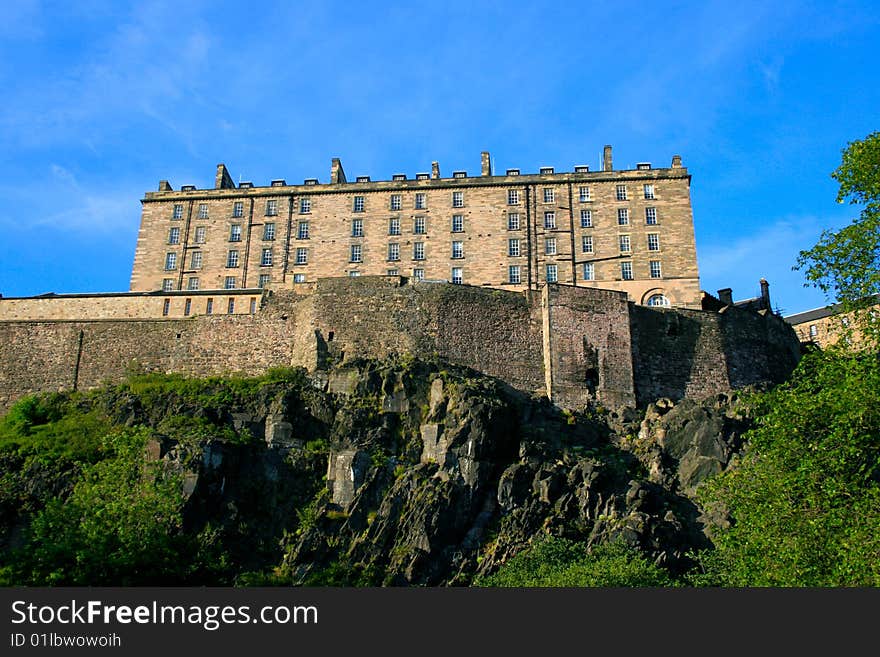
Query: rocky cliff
[[411, 473]]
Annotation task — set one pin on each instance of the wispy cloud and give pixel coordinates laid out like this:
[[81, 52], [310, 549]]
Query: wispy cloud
[[771, 253], [85, 211]]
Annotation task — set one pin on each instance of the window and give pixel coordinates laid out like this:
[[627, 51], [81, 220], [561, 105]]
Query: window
[[392, 272], [458, 249], [230, 306], [170, 261], [305, 205], [622, 216], [653, 242], [203, 210], [656, 272], [266, 258], [418, 274], [549, 220], [457, 223], [625, 246], [394, 251], [209, 307], [195, 260], [549, 195], [513, 248], [229, 283], [626, 271], [177, 213], [586, 218], [238, 209], [584, 194], [299, 278], [658, 300], [253, 305], [358, 204], [458, 199], [354, 273], [302, 256], [552, 273], [356, 253], [174, 235], [302, 230], [457, 277], [264, 280], [651, 216], [232, 258], [187, 307], [514, 274], [459, 174], [513, 221], [271, 208], [621, 192], [420, 203], [357, 227], [235, 233], [587, 244], [192, 283], [418, 251], [395, 201], [589, 271], [394, 226], [167, 284], [814, 331], [512, 197], [166, 306], [269, 231], [419, 225], [550, 245], [201, 233], [649, 192]]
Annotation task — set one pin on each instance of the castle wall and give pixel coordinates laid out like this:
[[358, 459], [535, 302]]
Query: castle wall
[[46, 356], [590, 349], [684, 353], [575, 344], [128, 305]]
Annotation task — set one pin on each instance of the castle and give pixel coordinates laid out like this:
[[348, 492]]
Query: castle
[[580, 286], [627, 230]]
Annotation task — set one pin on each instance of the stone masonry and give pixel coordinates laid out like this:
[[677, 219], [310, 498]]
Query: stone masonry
[[627, 230], [574, 344]]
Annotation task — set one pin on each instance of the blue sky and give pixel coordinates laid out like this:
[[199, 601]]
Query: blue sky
[[104, 99]]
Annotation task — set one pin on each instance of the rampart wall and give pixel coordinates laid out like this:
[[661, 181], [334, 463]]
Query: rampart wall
[[573, 344]]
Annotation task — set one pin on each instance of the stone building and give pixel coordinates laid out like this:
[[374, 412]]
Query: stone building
[[625, 230], [825, 326]]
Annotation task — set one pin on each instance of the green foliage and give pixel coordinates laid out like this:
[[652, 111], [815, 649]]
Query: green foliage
[[120, 525], [805, 497], [561, 562], [845, 264]]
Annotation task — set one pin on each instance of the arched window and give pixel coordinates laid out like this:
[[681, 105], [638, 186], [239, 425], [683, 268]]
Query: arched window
[[658, 300]]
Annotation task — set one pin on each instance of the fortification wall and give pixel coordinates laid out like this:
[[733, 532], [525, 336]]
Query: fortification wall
[[590, 349], [685, 353], [575, 344], [495, 332], [56, 355], [127, 305]]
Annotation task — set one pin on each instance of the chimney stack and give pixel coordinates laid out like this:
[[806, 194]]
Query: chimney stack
[[606, 158], [486, 164], [435, 171], [765, 294], [725, 295], [223, 180], [676, 161], [165, 186], [337, 174]]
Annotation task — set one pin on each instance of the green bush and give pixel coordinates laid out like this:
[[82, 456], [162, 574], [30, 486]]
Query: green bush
[[560, 562]]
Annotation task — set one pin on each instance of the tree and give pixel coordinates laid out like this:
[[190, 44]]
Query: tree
[[845, 264]]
